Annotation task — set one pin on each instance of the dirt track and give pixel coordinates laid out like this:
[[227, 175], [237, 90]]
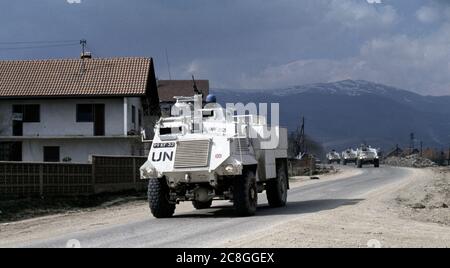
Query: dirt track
[[348, 209]]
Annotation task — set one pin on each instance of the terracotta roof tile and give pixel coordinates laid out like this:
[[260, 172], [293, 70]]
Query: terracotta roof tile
[[68, 77]]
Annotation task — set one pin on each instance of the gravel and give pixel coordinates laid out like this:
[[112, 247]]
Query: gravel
[[427, 199], [414, 161]]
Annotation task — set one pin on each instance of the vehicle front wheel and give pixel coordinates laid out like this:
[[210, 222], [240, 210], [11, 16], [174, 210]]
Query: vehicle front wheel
[[359, 163], [158, 198], [245, 194]]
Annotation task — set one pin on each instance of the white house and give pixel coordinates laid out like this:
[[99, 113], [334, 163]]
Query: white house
[[68, 109]]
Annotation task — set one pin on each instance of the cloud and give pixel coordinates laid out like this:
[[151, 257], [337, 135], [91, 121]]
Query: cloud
[[374, 1], [428, 14], [418, 64], [358, 14], [73, 1]]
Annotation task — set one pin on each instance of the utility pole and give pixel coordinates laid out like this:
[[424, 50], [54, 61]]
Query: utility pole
[[302, 137], [411, 142], [168, 65], [421, 148]]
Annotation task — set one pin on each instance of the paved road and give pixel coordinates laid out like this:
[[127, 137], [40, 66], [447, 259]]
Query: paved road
[[216, 226]]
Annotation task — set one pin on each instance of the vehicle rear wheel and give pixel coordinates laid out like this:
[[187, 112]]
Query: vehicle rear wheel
[[376, 163], [359, 163], [344, 162], [276, 190], [202, 205], [245, 194], [158, 198]]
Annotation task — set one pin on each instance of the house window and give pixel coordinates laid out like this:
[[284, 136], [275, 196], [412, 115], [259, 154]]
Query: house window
[[10, 151], [140, 118], [51, 154], [85, 113], [133, 114], [30, 113], [93, 112]]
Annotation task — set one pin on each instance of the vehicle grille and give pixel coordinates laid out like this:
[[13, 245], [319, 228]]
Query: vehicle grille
[[192, 154], [242, 145]]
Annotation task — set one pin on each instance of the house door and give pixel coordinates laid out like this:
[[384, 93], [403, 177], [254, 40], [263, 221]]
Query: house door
[[17, 122], [99, 119]]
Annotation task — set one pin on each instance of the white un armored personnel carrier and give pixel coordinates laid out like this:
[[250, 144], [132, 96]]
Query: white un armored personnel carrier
[[367, 155], [201, 154], [333, 157], [348, 156]]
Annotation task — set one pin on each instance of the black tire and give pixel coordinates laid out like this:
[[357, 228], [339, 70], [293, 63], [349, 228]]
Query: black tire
[[158, 198], [344, 162], [202, 205], [276, 189], [359, 163], [376, 163], [245, 194]]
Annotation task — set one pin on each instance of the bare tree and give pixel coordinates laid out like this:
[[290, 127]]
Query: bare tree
[[309, 145]]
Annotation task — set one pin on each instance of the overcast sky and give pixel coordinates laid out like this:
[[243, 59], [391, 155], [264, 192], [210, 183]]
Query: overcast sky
[[247, 43]]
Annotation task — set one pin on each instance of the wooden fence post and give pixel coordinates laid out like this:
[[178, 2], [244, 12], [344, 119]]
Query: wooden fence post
[[93, 174], [134, 174], [41, 180]]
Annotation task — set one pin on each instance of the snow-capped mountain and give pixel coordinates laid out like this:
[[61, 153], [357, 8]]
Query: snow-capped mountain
[[347, 113]]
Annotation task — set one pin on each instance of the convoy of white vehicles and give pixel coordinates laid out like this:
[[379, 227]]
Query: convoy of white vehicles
[[333, 157], [361, 156], [349, 156], [367, 155], [205, 153]]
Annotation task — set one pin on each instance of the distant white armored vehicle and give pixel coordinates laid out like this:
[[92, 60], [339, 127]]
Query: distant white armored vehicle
[[333, 157], [201, 154], [348, 156], [367, 155]]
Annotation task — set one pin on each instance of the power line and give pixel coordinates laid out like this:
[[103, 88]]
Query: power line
[[37, 42], [43, 46]]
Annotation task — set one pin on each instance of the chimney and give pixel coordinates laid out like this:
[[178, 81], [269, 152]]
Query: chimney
[[86, 55]]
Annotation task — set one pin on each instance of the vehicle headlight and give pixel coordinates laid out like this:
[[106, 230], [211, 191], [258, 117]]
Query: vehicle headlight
[[230, 168], [148, 171]]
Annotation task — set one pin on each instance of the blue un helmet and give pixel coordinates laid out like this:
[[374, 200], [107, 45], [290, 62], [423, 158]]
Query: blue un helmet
[[211, 98]]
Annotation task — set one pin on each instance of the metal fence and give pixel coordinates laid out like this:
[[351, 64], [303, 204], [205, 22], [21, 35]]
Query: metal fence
[[301, 167], [105, 174], [117, 173]]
